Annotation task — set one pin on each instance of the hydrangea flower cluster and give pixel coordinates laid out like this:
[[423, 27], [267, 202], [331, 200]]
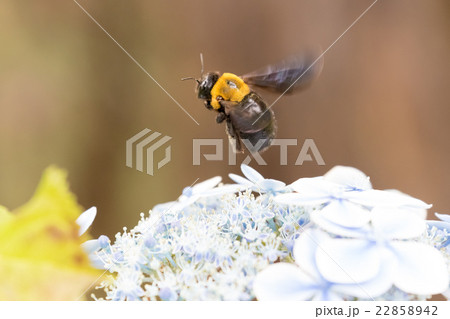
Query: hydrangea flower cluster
[[325, 238]]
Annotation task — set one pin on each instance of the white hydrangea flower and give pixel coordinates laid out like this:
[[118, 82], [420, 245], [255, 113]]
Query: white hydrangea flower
[[304, 281], [256, 182], [86, 219], [347, 240]]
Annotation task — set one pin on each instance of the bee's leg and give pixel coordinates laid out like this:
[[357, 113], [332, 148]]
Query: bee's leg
[[238, 145], [234, 136], [221, 117], [208, 105]]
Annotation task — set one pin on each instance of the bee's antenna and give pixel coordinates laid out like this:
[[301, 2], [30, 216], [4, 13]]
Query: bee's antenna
[[201, 61], [190, 78]]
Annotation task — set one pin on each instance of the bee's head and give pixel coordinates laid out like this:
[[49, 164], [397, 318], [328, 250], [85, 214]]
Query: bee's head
[[206, 84]]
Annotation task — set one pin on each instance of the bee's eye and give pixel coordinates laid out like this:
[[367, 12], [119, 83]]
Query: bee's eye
[[219, 98], [231, 84]]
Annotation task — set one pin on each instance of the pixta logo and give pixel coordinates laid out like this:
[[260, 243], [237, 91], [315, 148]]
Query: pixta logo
[[306, 153], [143, 141]]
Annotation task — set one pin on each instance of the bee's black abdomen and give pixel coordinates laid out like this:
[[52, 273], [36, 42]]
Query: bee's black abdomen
[[253, 122], [259, 141], [251, 114]]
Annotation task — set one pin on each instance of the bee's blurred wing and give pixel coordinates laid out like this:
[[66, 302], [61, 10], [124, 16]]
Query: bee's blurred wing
[[290, 75]]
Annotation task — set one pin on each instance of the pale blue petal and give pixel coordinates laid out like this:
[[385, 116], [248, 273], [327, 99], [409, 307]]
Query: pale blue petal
[[351, 178], [380, 198], [443, 217], [85, 220], [97, 262], [90, 246], [240, 180], [185, 202], [176, 206], [439, 225], [317, 186], [270, 184], [327, 295], [420, 212], [103, 241], [375, 287], [164, 207], [206, 185], [447, 294], [222, 190], [283, 281], [251, 173], [305, 251], [319, 178], [300, 199], [397, 224], [346, 214], [340, 230], [310, 192], [348, 261], [421, 269]]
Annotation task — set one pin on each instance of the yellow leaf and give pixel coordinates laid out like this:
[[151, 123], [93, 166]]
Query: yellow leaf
[[5, 215], [40, 253]]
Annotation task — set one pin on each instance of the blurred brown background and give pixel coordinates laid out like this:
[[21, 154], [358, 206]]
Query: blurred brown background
[[70, 96]]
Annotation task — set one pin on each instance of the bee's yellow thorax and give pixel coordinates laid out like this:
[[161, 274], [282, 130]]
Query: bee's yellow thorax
[[230, 87]]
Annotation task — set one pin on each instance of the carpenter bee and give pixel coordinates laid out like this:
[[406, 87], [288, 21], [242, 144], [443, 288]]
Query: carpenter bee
[[249, 120]]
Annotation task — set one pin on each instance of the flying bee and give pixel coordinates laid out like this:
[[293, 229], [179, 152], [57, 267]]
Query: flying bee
[[248, 119]]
